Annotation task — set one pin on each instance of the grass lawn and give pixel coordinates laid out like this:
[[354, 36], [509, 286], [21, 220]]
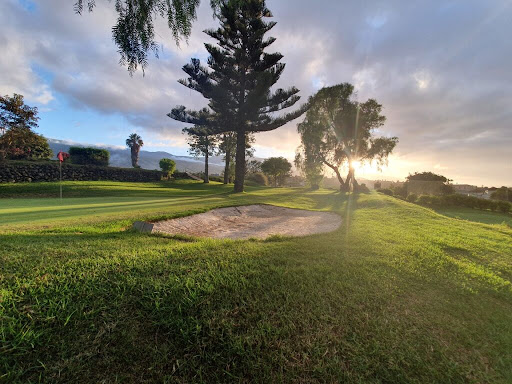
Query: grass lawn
[[486, 217], [399, 294]]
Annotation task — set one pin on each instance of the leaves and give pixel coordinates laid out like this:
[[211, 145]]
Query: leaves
[[338, 131], [134, 31]]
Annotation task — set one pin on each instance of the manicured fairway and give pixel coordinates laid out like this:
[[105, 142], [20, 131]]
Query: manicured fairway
[[399, 294]]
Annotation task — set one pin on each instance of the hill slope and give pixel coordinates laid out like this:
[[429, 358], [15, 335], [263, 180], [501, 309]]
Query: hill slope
[[147, 159]]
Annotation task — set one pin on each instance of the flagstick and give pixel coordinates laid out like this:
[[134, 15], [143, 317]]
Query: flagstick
[[60, 175]]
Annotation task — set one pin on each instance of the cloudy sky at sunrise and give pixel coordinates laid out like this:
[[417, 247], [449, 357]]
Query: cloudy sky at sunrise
[[441, 69]]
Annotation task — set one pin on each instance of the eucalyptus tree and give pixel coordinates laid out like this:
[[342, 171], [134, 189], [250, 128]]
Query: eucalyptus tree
[[239, 79], [339, 131], [135, 143], [134, 31]]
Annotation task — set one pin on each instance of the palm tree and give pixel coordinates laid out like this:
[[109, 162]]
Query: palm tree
[[134, 142]]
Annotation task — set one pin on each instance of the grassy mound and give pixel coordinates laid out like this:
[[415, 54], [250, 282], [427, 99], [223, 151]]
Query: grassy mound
[[398, 294]]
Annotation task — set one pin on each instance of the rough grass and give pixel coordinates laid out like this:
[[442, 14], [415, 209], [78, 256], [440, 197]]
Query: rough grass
[[399, 294]]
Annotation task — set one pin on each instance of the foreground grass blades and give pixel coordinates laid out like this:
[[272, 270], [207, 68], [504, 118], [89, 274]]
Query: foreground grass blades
[[398, 294]]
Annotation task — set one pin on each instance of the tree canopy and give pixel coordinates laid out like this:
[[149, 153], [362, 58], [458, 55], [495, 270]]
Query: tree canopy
[[427, 176], [168, 166], [14, 113], [17, 139], [24, 144], [134, 31], [277, 169], [339, 131], [239, 79]]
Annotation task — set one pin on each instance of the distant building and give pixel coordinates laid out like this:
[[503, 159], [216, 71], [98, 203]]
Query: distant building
[[464, 188]]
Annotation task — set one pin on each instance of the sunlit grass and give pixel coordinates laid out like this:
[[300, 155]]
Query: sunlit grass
[[398, 294]]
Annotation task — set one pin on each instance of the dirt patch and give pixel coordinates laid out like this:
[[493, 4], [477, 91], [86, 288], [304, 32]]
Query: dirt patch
[[251, 221]]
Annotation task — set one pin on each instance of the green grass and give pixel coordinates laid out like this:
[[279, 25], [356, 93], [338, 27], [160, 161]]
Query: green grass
[[399, 294], [486, 217]]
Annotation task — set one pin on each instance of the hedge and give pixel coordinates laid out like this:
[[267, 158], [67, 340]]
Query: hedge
[[89, 156], [454, 200], [458, 200], [27, 171]]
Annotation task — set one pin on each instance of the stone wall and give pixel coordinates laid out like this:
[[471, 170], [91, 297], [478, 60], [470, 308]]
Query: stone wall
[[26, 171]]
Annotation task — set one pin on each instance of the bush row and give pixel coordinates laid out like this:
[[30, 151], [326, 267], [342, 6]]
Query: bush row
[[453, 200], [26, 171], [457, 200]]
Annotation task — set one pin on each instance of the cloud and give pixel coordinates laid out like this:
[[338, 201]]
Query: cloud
[[440, 69]]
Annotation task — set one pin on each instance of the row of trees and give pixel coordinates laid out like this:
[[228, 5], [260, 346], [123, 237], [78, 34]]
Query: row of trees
[[238, 83]]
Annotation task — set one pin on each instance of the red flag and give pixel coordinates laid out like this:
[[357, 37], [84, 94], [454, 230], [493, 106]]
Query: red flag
[[62, 156]]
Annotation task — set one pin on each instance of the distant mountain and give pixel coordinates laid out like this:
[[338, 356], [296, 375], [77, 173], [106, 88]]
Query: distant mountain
[[147, 160]]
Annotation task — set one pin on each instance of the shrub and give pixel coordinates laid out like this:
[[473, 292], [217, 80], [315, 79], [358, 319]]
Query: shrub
[[89, 156], [362, 188], [447, 189], [400, 191], [180, 175], [216, 178], [168, 166], [504, 206], [385, 191], [412, 197], [424, 200], [258, 178], [457, 200], [436, 201], [503, 193]]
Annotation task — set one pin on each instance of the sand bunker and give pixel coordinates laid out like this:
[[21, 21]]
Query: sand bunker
[[251, 221]]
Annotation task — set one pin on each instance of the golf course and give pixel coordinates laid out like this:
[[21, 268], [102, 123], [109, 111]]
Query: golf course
[[398, 293]]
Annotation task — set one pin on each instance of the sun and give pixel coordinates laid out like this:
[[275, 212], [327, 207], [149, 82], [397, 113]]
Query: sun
[[356, 164]]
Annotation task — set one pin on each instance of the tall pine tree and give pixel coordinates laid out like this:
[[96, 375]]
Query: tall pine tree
[[239, 79]]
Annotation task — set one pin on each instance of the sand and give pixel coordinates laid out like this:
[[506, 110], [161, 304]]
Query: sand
[[251, 221]]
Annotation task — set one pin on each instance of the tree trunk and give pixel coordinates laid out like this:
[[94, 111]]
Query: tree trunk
[[343, 184], [351, 180], [134, 161], [226, 167], [206, 176], [240, 161]]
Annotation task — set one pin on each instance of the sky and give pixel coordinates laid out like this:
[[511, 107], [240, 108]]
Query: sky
[[441, 69]]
